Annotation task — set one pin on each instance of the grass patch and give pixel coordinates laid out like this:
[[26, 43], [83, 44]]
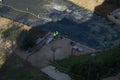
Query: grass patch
[[67, 63], [105, 64]]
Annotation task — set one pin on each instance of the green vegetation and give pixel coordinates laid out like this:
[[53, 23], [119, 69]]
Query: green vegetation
[[105, 64], [17, 69], [96, 1], [11, 33]]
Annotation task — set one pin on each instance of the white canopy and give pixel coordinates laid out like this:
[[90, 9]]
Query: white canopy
[[0, 0]]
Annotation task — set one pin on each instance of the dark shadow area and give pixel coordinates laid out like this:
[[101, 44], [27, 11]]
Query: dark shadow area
[[96, 32], [16, 68], [107, 7], [4, 10]]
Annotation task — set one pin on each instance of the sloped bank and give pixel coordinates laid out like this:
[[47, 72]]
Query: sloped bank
[[103, 65]]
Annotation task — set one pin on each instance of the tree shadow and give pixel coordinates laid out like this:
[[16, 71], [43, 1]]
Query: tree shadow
[[107, 7], [14, 66]]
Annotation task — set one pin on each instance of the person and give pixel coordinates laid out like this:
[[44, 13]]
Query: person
[[55, 34]]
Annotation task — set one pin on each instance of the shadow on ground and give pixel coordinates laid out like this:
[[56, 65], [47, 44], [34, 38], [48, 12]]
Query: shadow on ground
[[15, 67]]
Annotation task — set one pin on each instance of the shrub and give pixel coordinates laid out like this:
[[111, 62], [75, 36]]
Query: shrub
[[104, 65], [11, 33]]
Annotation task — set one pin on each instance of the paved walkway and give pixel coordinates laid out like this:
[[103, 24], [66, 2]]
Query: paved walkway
[[55, 74]]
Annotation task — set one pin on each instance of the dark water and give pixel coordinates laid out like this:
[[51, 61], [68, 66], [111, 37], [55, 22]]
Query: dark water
[[91, 29], [96, 32]]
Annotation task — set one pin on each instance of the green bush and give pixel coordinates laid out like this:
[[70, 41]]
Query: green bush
[[105, 64], [79, 71], [96, 1]]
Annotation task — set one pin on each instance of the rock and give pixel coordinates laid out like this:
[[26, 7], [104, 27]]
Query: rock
[[59, 7]]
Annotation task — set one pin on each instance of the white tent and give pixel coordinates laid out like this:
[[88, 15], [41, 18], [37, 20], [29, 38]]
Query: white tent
[[0, 0]]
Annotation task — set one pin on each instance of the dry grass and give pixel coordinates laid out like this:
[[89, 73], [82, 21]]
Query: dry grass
[[4, 22]]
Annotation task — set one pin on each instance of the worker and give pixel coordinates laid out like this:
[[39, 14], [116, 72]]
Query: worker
[[55, 34]]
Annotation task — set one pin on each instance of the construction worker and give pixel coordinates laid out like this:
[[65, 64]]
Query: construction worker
[[55, 34]]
